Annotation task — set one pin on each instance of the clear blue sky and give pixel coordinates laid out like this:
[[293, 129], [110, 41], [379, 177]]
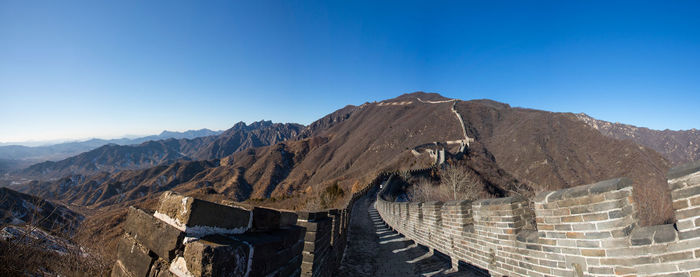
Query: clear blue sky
[[108, 68]]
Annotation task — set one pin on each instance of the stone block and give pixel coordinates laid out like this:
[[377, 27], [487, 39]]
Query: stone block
[[156, 235], [132, 258], [665, 233], [685, 192], [160, 268], [267, 247], [683, 170], [311, 216], [288, 218], [200, 218], [642, 236], [322, 225], [217, 256], [265, 219], [293, 235]]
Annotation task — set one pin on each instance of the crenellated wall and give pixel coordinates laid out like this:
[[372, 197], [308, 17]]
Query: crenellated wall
[[589, 230], [186, 236]]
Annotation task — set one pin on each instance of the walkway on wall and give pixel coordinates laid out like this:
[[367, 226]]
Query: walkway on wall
[[375, 250]]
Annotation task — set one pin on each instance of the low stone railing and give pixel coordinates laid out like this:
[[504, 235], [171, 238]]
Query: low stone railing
[[192, 237], [589, 230]]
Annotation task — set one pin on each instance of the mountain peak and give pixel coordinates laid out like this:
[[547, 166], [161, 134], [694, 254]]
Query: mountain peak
[[426, 96], [255, 125]]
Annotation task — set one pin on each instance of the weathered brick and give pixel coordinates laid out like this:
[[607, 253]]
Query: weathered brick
[[676, 257], [190, 212], [217, 256], [620, 270], [595, 217], [687, 213], [685, 192], [695, 201], [156, 235], [266, 219], [664, 233], [680, 204], [576, 218], [683, 170], [132, 258]]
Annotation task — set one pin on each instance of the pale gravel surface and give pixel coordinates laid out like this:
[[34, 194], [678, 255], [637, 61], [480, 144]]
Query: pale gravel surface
[[375, 250]]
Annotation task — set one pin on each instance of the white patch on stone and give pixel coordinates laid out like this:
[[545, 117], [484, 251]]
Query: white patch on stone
[[250, 257], [187, 240], [172, 221], [184, 205], [201, 231], [179, 268], [250, 220]]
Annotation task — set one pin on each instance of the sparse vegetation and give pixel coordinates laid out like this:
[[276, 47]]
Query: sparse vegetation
[[457, 182], [29, 250], [330, 195]]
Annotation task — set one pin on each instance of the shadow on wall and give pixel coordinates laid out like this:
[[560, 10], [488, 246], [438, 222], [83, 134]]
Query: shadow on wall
[[192, 237]]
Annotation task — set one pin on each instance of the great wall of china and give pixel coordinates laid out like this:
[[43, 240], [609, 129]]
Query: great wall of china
[[191, 237], [589, 230]]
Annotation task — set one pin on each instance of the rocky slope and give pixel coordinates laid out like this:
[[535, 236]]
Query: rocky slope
[[18, 209], [512, 146], [678, 147]]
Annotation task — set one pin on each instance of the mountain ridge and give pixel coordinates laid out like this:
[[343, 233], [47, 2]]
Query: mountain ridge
[[678, 147], [538, 149], [113, 158], [16, 157]]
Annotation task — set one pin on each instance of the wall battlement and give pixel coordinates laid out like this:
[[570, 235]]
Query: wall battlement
[[589, 230], [186, 237]]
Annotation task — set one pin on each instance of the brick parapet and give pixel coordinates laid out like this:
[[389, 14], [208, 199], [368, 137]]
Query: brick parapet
[[589, 230]]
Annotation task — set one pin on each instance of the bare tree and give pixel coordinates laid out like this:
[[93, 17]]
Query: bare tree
[[423, 190], [456, 183], [463, 183]]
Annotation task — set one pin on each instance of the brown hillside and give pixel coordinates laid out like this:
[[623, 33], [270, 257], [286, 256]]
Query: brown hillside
[[350, 146], [678, 147], [554, 151]]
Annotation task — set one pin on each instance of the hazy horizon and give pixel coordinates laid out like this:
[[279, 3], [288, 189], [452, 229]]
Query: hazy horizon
[[82, 69]]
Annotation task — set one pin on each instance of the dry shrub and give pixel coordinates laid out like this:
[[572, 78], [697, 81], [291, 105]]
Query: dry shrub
[[356, 187], [19, 258], [326, 199], [456, 183], [52, 253], [653, 205]]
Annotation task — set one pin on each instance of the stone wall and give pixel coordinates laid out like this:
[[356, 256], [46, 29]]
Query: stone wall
[[589, 230], [191, 237]]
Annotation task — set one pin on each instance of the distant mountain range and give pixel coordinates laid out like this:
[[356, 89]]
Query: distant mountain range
[[677, 146], [14, 157], [113, 158]]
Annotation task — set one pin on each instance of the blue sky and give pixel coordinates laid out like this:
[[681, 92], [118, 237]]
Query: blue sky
[[78, 69]]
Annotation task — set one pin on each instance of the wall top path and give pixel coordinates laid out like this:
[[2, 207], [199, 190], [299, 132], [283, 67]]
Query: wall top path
[[589, 230]]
